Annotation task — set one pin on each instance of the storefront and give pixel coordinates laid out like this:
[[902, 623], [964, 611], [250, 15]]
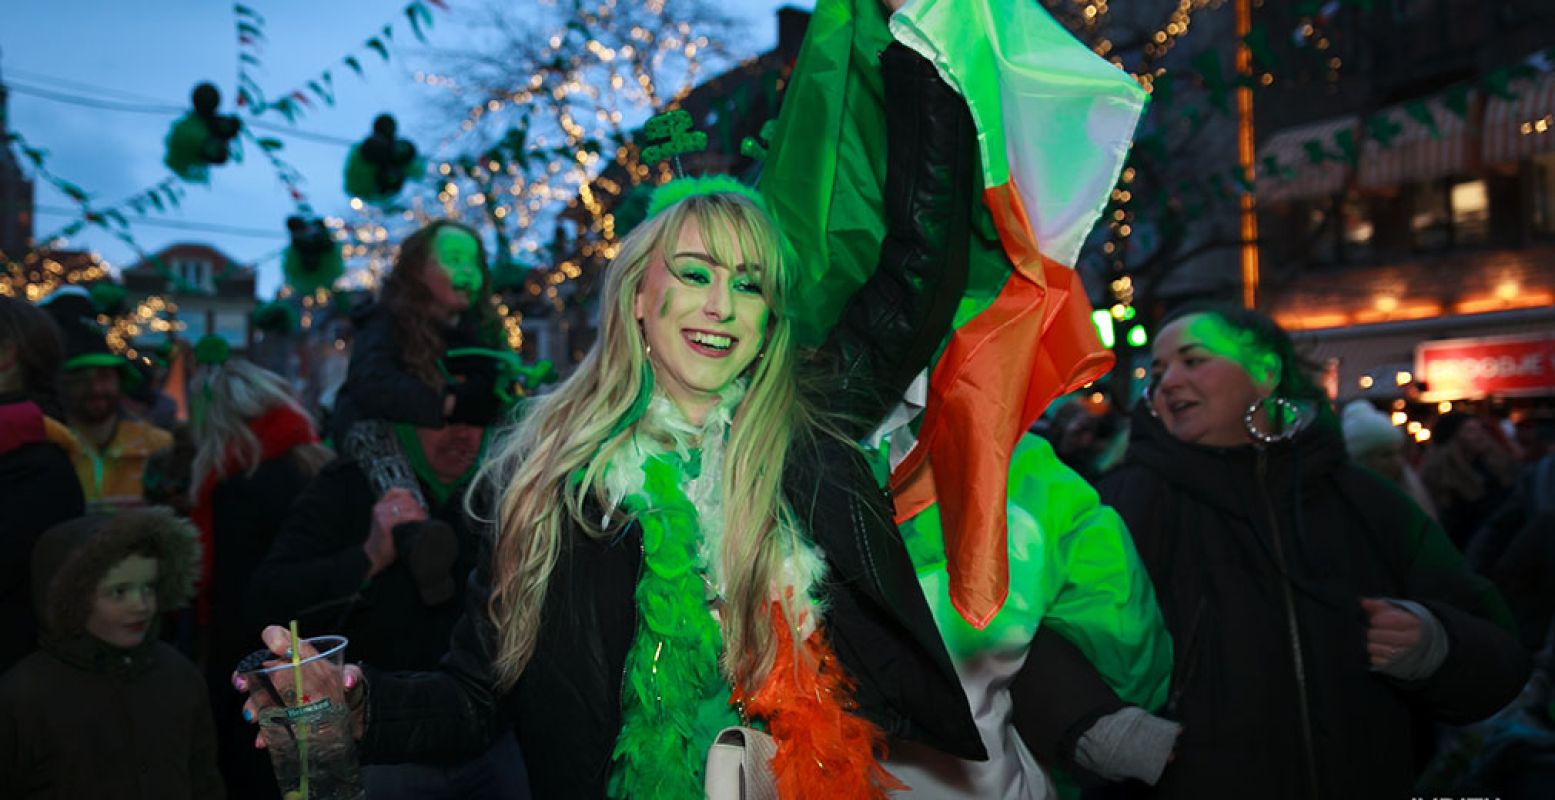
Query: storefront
[[1479, 368], [1500, 362]]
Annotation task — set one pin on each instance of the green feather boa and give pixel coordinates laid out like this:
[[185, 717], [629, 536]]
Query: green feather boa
[[674, 698]]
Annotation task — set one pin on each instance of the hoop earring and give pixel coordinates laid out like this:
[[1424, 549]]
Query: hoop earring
[[1263, 437]]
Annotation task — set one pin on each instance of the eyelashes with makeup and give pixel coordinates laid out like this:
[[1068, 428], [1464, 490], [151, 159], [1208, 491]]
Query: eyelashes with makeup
[[699, 277]]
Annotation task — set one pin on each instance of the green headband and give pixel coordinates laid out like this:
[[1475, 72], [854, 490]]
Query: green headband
[[679, 189]]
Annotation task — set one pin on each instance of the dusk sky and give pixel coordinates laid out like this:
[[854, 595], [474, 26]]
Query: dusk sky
[[117, 75]]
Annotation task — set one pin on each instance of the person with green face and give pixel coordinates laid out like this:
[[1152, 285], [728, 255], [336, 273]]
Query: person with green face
[[432, 301], [1318, 615]]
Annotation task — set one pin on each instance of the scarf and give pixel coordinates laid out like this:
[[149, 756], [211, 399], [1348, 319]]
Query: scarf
[[21, 424], [675, 698], [279, 430], [410, 446]]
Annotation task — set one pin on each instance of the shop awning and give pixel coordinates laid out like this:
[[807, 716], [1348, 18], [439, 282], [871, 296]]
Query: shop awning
[[1517, 129], [1306, 162], [1427, 141]]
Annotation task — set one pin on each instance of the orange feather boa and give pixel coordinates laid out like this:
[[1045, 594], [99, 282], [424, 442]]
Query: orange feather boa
[[823, 750]]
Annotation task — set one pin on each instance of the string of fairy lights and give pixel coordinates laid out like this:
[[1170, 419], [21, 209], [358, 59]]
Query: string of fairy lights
[[557, 144], [40, 272], [1148, 57], [1090, 19]]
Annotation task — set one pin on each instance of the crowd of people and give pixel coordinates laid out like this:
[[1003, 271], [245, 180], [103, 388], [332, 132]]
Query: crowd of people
[[688, 570]]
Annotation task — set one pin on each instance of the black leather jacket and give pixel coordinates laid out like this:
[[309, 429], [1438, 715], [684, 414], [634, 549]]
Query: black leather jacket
[[893, 325], [566, 706]]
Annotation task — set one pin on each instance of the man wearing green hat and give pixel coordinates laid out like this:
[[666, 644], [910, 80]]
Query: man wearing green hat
[[107, 448]]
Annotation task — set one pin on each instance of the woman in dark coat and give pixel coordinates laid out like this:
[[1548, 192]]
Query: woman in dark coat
[[255, 452], [38, 487], [1319, 616]]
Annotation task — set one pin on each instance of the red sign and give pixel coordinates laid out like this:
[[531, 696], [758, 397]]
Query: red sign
[[1506, 365]]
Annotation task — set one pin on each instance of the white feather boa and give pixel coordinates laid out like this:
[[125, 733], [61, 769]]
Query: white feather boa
[[663, 429]]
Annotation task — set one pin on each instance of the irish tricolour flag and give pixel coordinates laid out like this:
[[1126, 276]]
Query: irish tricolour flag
[[1055, 122]]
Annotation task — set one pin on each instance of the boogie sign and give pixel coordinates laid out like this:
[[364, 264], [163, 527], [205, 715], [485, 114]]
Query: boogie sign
[[1506, 365]]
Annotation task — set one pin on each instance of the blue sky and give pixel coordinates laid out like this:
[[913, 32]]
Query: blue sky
[[152, 53]]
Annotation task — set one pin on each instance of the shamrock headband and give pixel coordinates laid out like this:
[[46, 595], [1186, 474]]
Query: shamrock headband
[[676, 190]]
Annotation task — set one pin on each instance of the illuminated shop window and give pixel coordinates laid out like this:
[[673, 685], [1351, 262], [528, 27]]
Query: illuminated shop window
[[1470, 212]]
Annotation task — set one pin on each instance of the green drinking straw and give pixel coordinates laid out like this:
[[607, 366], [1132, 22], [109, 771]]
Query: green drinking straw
[[302, 731]]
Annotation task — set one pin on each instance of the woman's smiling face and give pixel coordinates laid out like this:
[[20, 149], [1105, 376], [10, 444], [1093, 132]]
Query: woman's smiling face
[[704, 321], [1203, 377]]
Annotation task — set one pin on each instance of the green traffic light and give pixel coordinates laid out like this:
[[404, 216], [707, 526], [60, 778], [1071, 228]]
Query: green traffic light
[[1103, 321]]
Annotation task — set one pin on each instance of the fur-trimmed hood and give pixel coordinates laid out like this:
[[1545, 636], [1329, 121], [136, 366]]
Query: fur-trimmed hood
[[71, 558]]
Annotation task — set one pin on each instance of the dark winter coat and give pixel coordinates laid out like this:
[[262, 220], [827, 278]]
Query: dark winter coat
[[38, 489], [566, 708], [316, 572], [377, 384], [1260, 558], [83, 719], [248, 511]]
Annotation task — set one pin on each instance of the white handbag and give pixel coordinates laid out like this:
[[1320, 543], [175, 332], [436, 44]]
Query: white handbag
[[739, 766]]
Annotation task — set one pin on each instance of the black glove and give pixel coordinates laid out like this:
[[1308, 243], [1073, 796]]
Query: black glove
[[474, 387], [428, 548]]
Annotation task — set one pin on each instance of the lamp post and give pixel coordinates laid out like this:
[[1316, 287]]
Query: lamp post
[[1244, 152]]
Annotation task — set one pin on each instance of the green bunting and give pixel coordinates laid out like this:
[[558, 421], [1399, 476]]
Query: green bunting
[[1383, 128], [1421, 113], [293, 104]]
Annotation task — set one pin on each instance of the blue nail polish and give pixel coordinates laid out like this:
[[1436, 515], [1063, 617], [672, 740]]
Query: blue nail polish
[[248, 715]]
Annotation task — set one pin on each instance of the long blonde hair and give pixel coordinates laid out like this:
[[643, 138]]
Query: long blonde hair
[[559, 451], [227, 396]]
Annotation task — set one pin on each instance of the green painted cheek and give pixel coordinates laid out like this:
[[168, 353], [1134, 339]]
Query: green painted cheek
[[664, 307]]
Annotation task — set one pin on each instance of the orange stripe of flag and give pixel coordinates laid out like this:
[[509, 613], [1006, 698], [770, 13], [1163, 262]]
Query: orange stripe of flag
[[998, 373]]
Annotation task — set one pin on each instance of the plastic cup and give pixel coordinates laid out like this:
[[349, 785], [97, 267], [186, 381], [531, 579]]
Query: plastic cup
[[307, 732]]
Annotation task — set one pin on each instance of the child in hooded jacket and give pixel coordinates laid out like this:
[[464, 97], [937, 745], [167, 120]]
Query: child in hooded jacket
[[104, 709]]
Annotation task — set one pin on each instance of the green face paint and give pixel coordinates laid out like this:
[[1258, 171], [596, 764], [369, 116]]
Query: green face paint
[[704, 319], [458, 253], [1211, 333]]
